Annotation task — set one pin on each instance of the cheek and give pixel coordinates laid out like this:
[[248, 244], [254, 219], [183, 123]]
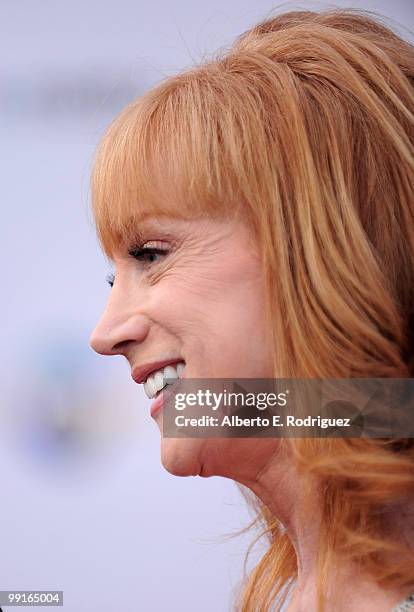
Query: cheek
[[235, 337], [181, 311], [218, 320]]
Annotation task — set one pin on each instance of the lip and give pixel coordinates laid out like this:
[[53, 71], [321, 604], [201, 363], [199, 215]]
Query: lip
[[158, 403], [141, 373]]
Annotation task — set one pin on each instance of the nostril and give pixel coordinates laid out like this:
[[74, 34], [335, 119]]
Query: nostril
[[119, 347]]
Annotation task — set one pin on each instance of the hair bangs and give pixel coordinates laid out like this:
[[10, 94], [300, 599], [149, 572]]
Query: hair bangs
[[163, 155]]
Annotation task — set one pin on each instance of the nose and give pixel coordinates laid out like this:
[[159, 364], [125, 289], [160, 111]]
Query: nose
[[117, 329]]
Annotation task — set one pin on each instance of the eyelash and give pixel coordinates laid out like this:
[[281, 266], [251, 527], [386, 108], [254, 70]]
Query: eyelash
[[110, 279], [139, 254]]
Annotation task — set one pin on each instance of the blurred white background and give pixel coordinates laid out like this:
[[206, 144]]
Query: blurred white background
[[86, 506]]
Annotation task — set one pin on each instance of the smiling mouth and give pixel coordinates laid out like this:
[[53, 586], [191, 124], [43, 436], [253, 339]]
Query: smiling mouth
[[156, 381]]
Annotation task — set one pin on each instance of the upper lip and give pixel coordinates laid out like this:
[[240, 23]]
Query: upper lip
[[141, 373]]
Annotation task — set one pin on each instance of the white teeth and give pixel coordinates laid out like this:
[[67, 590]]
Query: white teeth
[[155, 382], [170, 372], [158, 379], [150, 388]]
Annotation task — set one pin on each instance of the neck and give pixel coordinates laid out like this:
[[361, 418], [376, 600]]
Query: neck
[[296, 503]]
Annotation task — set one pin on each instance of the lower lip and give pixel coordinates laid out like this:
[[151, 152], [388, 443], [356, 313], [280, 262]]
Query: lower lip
[[157, 405]]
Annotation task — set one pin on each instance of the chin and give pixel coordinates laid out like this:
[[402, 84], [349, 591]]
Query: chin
[[181, 456]]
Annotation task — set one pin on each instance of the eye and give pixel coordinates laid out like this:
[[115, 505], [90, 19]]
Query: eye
[[110, 279], [149, 253]]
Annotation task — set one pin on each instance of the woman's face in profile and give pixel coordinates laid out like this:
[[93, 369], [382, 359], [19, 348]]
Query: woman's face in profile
[[191, 291]]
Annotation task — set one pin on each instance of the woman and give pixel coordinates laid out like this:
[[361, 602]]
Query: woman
[[259, 212]]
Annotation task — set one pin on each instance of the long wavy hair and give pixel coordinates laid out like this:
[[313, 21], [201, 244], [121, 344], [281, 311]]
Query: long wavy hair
[[305, 128]]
